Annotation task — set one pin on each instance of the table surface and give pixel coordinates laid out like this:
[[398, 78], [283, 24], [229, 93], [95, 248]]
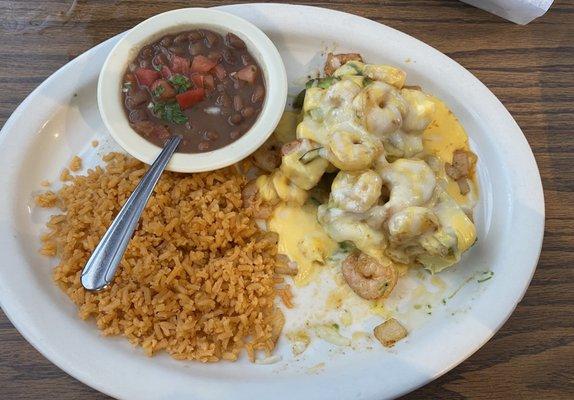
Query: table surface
[[531, 70]]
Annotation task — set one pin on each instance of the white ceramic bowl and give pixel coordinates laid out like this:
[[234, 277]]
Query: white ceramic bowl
[[261, 48]]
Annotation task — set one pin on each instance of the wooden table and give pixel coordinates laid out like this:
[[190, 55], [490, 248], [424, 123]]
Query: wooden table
[[531, 70]]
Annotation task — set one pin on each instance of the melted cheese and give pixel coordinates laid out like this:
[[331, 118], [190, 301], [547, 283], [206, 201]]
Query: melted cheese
[[445, 134], [441, 138], [302, 239]]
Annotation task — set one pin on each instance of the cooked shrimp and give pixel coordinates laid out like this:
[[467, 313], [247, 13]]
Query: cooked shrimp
[[356, 192], [411, 223], [352, 150], [410, 182], [368, 277], [380, 107], [334, 61], [268, 156], [385, 73], [420, 111]]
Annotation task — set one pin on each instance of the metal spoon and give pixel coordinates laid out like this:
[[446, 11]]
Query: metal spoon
[[99, 271]]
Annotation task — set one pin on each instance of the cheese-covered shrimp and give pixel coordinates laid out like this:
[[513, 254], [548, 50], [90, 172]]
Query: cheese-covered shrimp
[[410, 182], [356, 192], [380, 107], [385, 73], [352, 150]]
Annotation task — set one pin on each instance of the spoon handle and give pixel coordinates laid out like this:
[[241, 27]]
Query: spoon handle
[[100, 269]]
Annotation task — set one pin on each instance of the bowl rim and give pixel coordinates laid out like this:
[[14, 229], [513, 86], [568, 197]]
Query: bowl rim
[[110, 102]]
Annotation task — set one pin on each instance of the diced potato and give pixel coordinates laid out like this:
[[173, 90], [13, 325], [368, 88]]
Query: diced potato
[[390, 332], [313, 98]]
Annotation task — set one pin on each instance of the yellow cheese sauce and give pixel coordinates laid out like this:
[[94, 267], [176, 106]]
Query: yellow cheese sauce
[[441, 138], [302, 239], [445, 134]]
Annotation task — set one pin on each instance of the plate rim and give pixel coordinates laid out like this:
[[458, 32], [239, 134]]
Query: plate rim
[[21, 326]]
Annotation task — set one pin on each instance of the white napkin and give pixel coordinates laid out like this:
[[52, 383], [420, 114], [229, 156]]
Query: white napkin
[[518, 11]]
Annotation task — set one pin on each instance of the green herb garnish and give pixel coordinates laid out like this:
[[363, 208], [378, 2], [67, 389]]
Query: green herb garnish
[[169, 112], [299, 100], [367, 81], [158, 91], [485, 276], [322, 83], [180, 83], [157, 67], [346, 247]]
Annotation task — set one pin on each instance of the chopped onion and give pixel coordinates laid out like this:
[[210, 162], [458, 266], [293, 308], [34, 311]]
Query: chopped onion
[[269, 360], [213, 110], [332, 335]]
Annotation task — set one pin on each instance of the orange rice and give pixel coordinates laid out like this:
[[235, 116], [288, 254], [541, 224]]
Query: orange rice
[[197, 279]]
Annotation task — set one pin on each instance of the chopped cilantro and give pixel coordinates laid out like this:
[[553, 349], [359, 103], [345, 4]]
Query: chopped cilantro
[[367, 81], [180, 83], [157, 67], [485, 276], [158, 91], [169, 112], [323, 83]]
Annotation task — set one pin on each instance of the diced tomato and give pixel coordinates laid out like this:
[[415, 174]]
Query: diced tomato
[[202, 64], [220, 72], [146, 77], [197, 80], [247, 74], [208, 82], [166, 92], [180, 65], [203, 81], [190, 98], [166, 72]]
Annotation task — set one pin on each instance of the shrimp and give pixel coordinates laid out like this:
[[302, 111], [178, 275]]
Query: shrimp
[[334, 61], [268, 156], [420, 110], [368, 277], [380, 107], [411, 183], [352, 150], [356, 192], [385, 73], [411, 223]]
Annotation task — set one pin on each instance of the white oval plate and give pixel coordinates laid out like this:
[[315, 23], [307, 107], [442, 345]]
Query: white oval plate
[[60, 119]]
